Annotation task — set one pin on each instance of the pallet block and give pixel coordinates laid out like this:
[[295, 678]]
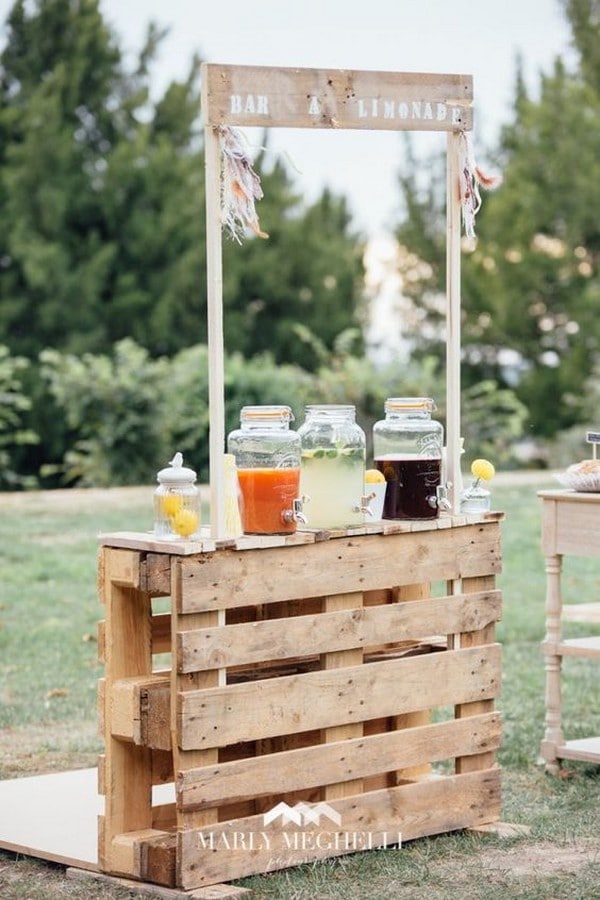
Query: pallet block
[[322, 696]]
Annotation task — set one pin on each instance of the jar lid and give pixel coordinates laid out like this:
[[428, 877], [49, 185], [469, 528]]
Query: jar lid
[[266, 414], [177, 473], [418, 404], [331, 409]]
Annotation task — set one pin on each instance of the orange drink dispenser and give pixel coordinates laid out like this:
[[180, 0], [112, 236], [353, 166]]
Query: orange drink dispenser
[[267, 458]]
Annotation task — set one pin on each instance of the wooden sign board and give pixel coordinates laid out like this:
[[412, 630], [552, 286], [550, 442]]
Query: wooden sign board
[[275, 97], [328, 98]]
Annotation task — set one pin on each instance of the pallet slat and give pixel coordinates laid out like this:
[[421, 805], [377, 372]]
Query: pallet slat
[[225, 715], [408, 811], [232, 579], [365, 627], [293, 770]]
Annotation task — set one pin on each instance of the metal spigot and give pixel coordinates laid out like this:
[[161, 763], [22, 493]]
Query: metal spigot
[[295, 514], [364, 504], [441, 500]]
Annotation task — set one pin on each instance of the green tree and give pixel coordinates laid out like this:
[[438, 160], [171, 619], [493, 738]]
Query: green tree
[[102, 233], [310, 270], [99, 188], [14, 406], [531, 285]]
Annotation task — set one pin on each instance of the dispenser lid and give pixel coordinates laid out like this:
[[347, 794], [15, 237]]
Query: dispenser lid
[[176, 472]]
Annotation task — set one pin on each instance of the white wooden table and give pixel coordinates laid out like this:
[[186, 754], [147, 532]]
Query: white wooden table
[[570, 526]]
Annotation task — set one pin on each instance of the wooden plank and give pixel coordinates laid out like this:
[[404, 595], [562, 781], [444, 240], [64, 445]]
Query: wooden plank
[[216, 717], [155, 575], [335, 98], [140, 710], [582, 612], [128, 774], [214, 892], [129, 852], [481, 638], [366, 627], [380, 818], [413, 593], [582, 749], [146, 541], [582, 646], [181, 685], [577, 527], [453, 316], [295, 770], [230, 579], [336, 660]]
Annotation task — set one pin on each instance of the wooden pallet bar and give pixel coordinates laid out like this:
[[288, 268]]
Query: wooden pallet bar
[[288, 686]]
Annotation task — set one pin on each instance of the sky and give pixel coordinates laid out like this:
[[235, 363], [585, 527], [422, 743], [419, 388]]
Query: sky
[[481, 38]]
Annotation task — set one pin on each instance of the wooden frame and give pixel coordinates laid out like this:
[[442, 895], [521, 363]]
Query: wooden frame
[[326, 98]]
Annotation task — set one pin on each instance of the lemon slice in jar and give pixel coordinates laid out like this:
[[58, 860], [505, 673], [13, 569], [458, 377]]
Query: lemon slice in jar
[[374, 476]]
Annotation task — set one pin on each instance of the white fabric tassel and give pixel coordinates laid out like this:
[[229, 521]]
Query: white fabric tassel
[[240, 186], [471, 178]]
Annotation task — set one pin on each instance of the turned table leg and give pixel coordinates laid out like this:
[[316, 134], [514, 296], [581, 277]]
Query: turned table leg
[[553, 736]]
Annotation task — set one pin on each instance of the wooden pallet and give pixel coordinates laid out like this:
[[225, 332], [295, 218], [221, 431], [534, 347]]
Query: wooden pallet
[[340, 671]]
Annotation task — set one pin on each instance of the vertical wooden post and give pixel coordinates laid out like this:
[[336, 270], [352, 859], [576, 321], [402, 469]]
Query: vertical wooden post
[[180, 683], [336, 660], [403, 594], [216, 356], [128, 770], [553, 736], [453, 228], [479, 638]]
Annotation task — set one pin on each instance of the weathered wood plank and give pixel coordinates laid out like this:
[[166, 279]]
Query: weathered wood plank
[[335, 98], [482, 637], [306, 767], [380, 818], [364, 627], [339, 659], [219, 716], [127, 767], [182, 685], [372, 562]]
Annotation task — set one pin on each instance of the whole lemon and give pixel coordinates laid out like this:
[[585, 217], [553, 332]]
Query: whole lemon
[[185, 522], [171, 504], [374, 476]]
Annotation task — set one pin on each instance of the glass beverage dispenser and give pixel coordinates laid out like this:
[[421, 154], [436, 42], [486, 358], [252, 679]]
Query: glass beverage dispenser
[[333, 467], [407, 449], [267, 457]]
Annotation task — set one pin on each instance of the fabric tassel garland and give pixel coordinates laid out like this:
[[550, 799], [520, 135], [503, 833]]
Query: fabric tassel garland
[[240, 186], [471, 178]]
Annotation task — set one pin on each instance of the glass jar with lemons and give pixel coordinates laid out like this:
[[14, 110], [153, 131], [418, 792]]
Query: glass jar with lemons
[[176, 502]]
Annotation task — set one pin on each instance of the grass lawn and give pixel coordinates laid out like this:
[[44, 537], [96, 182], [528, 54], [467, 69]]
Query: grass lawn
[[49, 671]]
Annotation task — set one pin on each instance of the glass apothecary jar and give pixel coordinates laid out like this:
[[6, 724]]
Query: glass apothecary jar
[[333, 466], [407, 449], [267, 459], [176, 502]]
